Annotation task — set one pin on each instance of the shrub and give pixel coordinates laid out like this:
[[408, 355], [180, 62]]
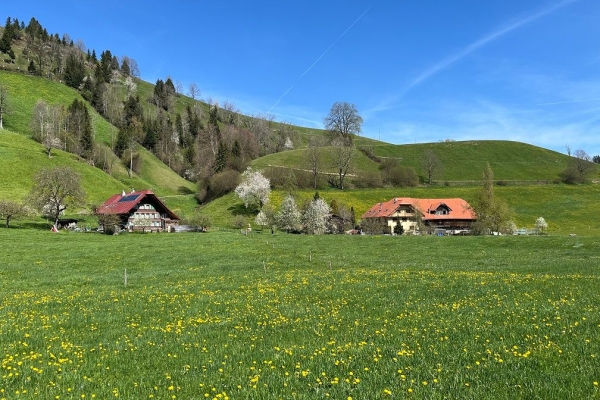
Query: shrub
[[369, 153], [571, 175], [240, 222], [198, 223], [368, 180], [218, 185], [110, 223], [372, 226]]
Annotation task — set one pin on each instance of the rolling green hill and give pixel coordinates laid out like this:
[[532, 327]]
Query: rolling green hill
[[462, 162]]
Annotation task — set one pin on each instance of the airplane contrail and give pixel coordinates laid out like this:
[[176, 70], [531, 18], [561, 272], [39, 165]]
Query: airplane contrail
[[567, 102], [448, 61], [319, 58]]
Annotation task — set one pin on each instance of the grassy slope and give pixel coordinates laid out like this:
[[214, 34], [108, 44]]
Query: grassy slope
[[295, 159], [462, 161], [24, 93], [466, 160], [21, 158]]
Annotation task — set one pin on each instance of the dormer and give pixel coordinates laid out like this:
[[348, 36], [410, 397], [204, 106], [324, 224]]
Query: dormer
[[440, 209]]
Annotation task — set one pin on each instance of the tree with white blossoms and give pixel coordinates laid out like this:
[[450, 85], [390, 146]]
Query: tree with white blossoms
[[315, 216], [541, 225], [261, 219], [288, 217], [254, 189]]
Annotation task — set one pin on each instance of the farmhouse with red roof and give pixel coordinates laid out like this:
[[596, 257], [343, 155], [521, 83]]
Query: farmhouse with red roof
[[436, 215], [140, 211]]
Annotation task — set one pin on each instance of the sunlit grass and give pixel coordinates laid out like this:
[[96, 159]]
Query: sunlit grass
[[222, 315]]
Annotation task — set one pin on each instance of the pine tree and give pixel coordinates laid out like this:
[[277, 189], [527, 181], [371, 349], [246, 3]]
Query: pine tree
[[132, 108], [74, 71], [7, 36], [221, 158], [179, 129], [80, 125], [122, 142], [125, 69], [105, 66], [31, 67]]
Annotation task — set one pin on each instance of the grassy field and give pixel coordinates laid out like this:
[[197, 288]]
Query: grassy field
[[222, 315]]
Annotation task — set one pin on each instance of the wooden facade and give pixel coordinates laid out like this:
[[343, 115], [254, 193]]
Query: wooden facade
[[418, 215], [140, 212]]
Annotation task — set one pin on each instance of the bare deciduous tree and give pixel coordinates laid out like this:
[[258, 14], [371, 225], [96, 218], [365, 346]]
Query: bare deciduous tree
[[229, 113], [583, 163], [193, 91], [10, 210], [432, 165], [56, 189], [341, 156], [313, 158], [134, 68], [261, 127], [47, 125], [343, 119]]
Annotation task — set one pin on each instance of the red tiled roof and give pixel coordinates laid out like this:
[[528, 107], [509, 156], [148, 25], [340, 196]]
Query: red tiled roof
[[124, 204], [459, 208]]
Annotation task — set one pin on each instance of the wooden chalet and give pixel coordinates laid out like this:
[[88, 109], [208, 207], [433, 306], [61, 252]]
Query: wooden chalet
[[452, 216], [140, 211]]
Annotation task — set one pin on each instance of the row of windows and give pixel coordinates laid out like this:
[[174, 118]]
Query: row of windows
[[146, 215], [148, 224]]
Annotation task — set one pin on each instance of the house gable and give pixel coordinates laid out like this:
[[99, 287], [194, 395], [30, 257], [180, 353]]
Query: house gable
[[452, 213], [139, 210]]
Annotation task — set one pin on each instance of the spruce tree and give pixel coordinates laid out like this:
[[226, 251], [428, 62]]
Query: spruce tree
[[122, 142], [74, 71], [221, 158]]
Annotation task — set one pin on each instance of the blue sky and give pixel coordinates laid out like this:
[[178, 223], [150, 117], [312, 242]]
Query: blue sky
[[417, 71]]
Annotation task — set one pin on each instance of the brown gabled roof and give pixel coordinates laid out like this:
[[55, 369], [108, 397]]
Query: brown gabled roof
[[125, 202], [459, 208]]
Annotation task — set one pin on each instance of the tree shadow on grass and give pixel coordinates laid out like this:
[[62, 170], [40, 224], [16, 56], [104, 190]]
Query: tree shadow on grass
[[240, 209], [39, 226]]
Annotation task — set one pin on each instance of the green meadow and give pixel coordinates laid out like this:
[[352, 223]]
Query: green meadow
[[222, 315]]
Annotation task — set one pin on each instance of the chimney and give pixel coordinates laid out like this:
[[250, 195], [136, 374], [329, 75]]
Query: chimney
[[123, 193], [132, 190]]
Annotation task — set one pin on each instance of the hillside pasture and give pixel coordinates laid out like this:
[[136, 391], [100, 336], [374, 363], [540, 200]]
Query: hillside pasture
[[222, 315]]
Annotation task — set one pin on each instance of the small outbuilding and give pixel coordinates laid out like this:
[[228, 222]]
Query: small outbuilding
[[140, 211]]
